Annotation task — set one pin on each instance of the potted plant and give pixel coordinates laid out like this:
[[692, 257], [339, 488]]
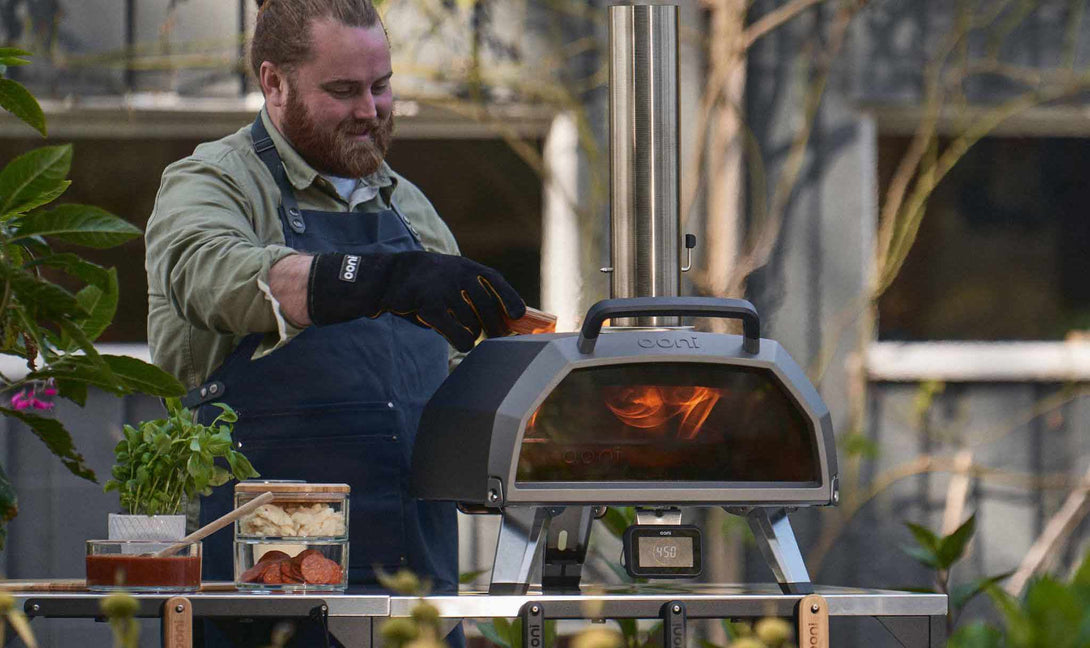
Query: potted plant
[[162, 463]]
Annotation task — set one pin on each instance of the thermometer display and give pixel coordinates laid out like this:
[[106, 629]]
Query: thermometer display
[[662, 551]]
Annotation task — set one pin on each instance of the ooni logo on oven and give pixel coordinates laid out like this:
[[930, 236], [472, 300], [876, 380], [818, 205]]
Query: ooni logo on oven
[[668, 343], [591, 457]]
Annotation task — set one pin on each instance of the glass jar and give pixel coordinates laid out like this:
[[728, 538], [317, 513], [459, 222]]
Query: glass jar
[[133, 566], [296, 542]]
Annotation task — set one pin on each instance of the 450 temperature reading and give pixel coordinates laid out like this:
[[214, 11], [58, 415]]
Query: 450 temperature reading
[[665, 552]]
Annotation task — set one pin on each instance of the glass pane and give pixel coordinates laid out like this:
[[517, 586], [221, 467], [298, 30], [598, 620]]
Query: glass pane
[[668, 422], [1001, 251]]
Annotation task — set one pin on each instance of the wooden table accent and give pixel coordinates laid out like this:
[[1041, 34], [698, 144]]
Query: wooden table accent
[[813, 622], [44, 585], [178, 623]]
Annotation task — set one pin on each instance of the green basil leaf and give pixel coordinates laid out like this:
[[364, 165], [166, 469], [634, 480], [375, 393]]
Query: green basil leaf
[[227, 415], [218, 447], [219, 476], [131, 434], [193, 466], [241, 467]]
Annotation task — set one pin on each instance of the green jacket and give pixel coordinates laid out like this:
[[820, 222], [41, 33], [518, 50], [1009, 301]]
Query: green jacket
[[214, 234]]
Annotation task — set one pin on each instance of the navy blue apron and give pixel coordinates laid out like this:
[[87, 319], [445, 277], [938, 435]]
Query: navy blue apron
[[340, 403]]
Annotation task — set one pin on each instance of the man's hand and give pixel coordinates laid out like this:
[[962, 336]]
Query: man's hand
[[288, 284], [455, 296]]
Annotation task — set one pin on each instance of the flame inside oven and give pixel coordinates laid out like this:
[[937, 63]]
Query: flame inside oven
[[651, 407], [667, 422]]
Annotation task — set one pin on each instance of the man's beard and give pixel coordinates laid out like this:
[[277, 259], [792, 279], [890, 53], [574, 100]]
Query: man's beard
[[336, 151]]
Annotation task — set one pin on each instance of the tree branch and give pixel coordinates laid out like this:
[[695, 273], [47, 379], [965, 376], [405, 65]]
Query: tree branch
[[774, 19], [1055, 534]]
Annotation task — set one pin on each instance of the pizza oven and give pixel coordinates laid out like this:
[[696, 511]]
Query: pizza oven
[[548, 429]]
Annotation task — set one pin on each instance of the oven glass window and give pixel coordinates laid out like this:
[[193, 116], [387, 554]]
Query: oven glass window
[[669, 422]]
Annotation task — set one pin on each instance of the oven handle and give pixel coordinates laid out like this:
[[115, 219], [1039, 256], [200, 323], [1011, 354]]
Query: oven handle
[[691, 306]]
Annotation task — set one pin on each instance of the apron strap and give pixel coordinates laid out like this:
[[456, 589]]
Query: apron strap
[[290, 213], [198, 396], [213, 389]]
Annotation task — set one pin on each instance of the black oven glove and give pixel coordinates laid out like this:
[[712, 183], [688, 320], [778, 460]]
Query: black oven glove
[[454, 295]]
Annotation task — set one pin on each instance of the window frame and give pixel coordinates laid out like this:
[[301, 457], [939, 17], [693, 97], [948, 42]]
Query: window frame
[[975, 361]]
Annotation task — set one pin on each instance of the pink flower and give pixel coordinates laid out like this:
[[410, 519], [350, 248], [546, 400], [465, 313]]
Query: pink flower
[[28, 398], [20, 401]]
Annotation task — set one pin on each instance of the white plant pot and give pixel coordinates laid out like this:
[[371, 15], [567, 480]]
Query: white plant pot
[[146, 527]]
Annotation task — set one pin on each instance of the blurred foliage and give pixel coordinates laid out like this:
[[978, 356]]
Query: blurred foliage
[[423, 628], [120, 612], [857, 445], [508, 632], [50, 328], [769, 632], [14, 617], [925, 398], [1052, 613], [941, 553]]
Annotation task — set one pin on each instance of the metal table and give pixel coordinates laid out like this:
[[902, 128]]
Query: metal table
[[915, 620]]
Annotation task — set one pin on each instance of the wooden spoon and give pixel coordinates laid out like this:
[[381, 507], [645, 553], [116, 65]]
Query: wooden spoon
[[216, 525]]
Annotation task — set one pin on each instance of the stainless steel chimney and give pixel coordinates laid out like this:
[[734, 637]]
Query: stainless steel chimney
[[643, 110]]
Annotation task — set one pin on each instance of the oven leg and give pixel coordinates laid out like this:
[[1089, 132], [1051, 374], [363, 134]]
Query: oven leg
[[780, 549], [566, 549], [518, 545]]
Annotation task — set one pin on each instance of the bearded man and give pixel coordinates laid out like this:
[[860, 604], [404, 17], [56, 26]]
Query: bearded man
[[294, 276]]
